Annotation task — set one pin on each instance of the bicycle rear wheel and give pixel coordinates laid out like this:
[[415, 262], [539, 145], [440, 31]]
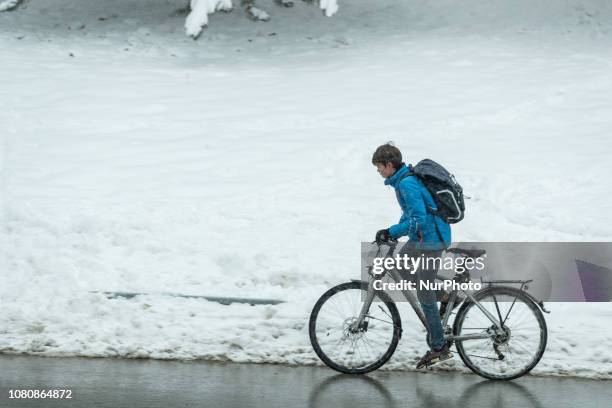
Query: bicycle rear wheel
[[360, 350], [507, 355]]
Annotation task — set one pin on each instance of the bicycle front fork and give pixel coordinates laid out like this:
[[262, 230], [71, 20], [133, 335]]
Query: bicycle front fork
[[365, 306]]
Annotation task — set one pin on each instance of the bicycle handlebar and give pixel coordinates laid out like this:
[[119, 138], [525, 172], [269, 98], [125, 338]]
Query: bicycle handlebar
[[391, 242]]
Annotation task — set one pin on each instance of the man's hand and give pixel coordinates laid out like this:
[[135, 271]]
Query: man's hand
[[382, 236]]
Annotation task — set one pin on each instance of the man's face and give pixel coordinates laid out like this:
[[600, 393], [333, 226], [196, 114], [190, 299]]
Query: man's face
[[385, 170]]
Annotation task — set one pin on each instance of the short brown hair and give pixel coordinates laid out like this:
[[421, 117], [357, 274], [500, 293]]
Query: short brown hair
[[387, 153]]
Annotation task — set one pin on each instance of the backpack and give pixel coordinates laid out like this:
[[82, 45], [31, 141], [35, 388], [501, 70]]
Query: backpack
[[444, 189]]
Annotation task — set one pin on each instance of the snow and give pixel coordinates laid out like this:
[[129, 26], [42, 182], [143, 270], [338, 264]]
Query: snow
[[258, 14], [7, 5], [200, 9], [134, 159], [329, 7]]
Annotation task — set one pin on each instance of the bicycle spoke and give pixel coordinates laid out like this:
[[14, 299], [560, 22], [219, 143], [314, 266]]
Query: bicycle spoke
[[376, 318], [488, 358]]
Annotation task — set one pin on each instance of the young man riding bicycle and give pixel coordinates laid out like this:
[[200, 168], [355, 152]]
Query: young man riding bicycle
[[427, 233]]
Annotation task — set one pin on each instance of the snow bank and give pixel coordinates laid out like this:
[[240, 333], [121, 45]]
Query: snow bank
[[172, 328], [135, 160]]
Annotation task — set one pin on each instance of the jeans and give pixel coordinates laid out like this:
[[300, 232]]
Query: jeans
[[427, 297]]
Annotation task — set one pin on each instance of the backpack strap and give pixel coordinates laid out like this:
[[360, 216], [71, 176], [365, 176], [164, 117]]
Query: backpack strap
[[438, 232]]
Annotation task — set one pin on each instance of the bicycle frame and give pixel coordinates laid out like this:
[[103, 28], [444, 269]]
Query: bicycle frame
[[411, 297]]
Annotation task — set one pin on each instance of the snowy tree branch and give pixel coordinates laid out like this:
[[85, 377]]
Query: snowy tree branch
[[200, 9], [7, 5], [329, 7]]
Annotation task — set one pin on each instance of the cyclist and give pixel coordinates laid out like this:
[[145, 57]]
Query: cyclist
[[428, 236]]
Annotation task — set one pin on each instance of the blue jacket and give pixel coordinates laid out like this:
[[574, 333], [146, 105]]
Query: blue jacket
[[416, 222]]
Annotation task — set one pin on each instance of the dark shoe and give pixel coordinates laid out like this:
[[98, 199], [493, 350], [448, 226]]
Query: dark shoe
[[434, 356]]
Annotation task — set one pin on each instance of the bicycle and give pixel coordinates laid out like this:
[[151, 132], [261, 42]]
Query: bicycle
[[344, 330]]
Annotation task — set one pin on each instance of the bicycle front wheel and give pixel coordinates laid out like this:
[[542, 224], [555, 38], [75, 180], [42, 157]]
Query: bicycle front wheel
[[511, 352], [349, 349]]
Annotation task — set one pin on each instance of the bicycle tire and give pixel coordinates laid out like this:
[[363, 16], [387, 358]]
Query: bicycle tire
[[500, 290], [397, 329]]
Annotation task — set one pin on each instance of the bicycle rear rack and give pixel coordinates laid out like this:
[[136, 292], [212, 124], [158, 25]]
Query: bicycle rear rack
[[524, 286], [524, 283]]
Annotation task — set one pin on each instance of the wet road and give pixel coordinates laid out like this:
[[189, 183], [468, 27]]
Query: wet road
[[150, 383]]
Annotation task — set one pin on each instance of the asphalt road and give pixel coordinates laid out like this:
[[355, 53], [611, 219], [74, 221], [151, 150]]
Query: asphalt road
[[154, 383]]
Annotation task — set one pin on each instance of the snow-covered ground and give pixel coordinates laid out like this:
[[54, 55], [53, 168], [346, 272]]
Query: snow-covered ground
[[136, 159]]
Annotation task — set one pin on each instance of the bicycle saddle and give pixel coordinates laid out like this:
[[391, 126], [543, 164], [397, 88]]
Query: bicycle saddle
[[472, 253]]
